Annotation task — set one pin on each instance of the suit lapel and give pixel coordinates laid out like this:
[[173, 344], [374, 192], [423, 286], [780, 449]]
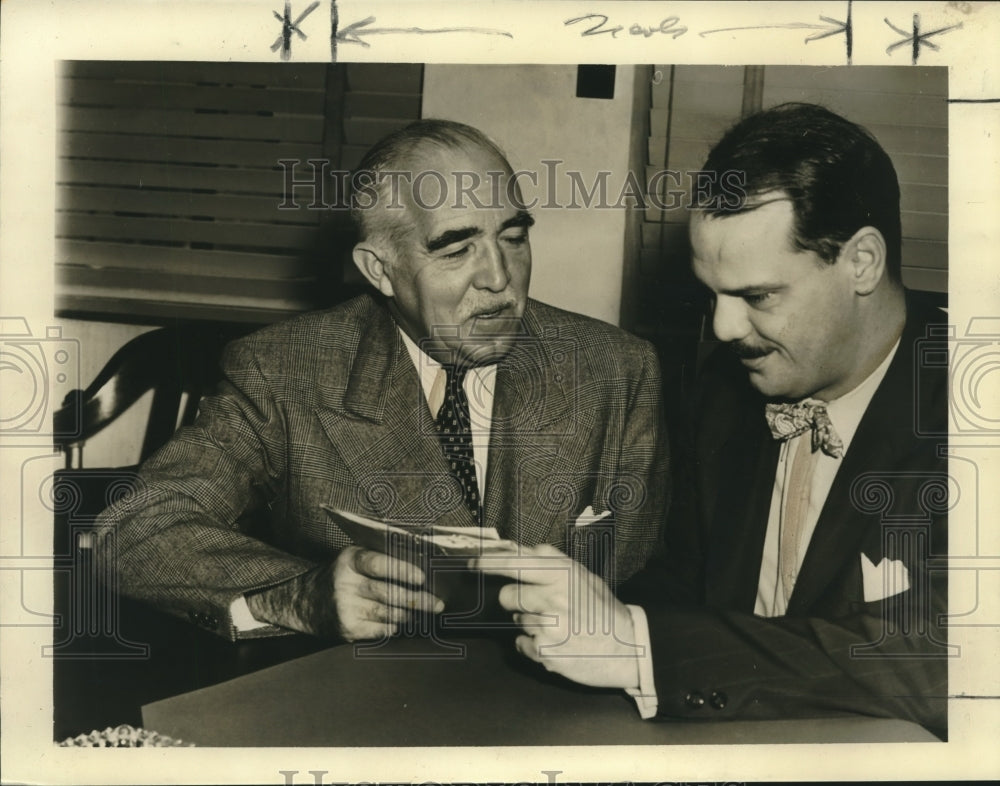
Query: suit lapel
[[532, 406], [884, 435], [738, 527], [384, 434]]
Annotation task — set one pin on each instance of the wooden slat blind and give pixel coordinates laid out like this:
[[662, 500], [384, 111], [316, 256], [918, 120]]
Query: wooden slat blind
[[691, 106], [170, 183], [377, 97]]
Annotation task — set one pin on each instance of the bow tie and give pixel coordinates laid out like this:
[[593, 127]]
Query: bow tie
[[790, 420]]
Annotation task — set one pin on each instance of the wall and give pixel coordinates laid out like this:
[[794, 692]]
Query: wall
[[533, 113]]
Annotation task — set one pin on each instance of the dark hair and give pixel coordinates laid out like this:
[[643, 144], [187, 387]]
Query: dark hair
[[835, 173], [395, 152]]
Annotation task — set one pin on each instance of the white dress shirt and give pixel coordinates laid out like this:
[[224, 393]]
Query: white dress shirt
[[845, 414], [479, 385]]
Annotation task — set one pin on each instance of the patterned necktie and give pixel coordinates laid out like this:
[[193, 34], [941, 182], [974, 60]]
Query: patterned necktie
[[790, 420], [454, 429]]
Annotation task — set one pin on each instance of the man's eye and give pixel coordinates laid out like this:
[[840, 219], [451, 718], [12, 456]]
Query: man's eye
[[757, 298], [458, 253], [516, 240]]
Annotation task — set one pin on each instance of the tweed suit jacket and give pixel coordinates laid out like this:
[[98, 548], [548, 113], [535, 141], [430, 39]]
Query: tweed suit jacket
[[840, 648], [327, 409]]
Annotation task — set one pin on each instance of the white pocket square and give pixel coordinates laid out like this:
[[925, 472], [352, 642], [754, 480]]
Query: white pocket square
[[884, 580], [588, 517]]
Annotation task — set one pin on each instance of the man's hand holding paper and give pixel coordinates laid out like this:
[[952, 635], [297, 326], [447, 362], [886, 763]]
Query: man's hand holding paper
[[374, 586], [362, 594]]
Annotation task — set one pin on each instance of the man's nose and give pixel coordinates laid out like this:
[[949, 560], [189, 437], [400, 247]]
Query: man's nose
[[492, 272], [730, 321]]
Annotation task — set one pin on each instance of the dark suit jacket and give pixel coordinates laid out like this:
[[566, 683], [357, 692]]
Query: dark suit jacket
[[327, 409], [833, 651]]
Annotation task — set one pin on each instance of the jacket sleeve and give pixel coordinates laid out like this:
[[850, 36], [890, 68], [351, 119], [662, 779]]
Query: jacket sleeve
[[713, 663], [181, 540], [674, 572]]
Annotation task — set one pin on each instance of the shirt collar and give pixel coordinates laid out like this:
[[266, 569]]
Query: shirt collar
[[846, 412], [429, 370]]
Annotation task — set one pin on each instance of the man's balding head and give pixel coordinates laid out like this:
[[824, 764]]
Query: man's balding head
[[384, 179], [444, 238]]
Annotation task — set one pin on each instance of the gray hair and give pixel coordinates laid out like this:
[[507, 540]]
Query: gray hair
[[370, 190]]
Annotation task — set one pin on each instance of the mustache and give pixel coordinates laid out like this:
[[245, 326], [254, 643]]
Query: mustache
[[748, 351]]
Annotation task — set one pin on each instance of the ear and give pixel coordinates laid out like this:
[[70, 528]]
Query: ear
[[865, 255], [368, 260]]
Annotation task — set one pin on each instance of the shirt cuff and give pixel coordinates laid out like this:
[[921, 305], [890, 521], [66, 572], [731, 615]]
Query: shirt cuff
[[645, 693], [243, 620]]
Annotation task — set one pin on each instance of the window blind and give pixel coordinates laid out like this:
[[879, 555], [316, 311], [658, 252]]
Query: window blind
[[172, 198]]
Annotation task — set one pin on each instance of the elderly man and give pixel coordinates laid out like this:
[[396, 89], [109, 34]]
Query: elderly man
[[796, 580], [446, 396]]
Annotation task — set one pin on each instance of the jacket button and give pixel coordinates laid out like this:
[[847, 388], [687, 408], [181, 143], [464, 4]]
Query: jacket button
[[694, 700], [718, 699]]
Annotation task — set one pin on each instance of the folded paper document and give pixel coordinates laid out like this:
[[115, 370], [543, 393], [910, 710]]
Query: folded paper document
[[420, 540]]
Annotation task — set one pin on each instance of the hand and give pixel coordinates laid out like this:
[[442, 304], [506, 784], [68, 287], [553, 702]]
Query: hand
[[374, 593], [362, 594], [573, 625]]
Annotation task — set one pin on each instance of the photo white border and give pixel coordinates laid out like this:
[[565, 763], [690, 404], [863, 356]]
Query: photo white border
[[35, 35]]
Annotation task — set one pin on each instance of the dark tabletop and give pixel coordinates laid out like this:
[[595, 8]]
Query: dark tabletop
[[472, 691], [462, 686]]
